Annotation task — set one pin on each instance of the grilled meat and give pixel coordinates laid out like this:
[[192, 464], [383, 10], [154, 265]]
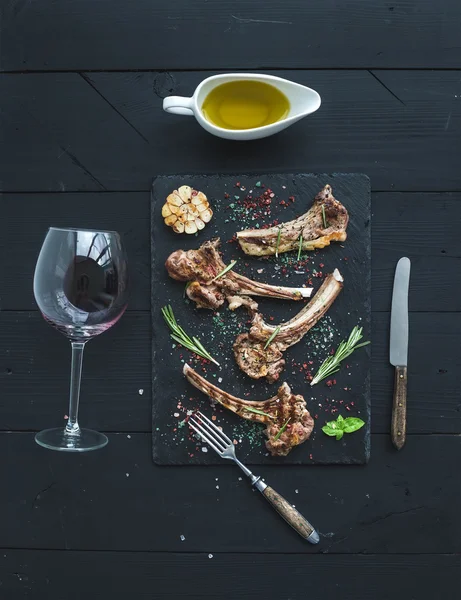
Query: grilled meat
[[311, 226], [249, 348], [283, 409], [209, 289]]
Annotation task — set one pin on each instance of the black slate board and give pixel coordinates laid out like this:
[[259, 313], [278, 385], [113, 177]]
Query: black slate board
[[173, 396]]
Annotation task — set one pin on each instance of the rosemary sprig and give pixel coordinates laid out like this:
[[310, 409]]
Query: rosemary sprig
[[332, 363], [281, 430], [180, 336], [230, 266], [300, 247], [278, 243], [277, 329], [324, 217], [258, 412]]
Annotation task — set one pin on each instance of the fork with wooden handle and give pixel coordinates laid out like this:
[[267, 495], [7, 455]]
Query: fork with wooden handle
[[221, 444]]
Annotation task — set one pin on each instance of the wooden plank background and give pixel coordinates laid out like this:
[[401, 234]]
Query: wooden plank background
[[230, 34], [83, 133], [107, 131]]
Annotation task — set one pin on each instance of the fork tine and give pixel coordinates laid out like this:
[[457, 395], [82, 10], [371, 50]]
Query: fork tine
[[214, 435], [206, 421], [201, 426], [204, 435]]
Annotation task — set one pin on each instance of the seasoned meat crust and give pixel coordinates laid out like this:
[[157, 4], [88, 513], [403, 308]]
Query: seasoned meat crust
[[208, 289], [249, 348], [288, 422], [311, 226]]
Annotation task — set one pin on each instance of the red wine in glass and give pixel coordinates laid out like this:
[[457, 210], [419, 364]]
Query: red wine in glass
[[81, 288]]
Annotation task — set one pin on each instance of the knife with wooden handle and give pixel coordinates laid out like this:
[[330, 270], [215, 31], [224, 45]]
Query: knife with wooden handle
[[398, 351]]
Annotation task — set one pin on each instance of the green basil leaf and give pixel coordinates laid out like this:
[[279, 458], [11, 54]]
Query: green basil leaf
[[340, 421], [339, 434], [329, 431], [332, 425], [352, 424]]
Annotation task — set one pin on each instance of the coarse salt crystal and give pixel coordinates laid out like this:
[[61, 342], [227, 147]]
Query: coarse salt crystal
[[210, 556], [296, 491], [219, 379], [217, 487], [127, 474], [204, 449], [141, 392], [182, 538], [176, 415], [129, 436]]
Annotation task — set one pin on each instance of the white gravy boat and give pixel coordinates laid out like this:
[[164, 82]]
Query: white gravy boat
[[303, 102]]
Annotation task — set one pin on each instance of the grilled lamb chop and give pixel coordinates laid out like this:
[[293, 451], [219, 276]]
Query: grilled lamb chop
[[285, 408], [209, 290], [261, 242], [249, 348]]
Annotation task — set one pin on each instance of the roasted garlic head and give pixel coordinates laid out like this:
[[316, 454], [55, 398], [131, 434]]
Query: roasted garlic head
[[186, 210]]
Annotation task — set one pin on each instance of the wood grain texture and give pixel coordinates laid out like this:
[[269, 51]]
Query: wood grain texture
[[399, 408], [116, 499], [419, 225], [95, 131], [107, 131], [293, 517], [224, 34], [38, 574], [35, 367]]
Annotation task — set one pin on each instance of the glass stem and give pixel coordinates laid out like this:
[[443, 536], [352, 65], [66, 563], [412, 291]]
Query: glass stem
[[72, 427]]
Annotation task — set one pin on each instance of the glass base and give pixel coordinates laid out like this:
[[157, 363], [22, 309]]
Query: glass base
[[59, 439]]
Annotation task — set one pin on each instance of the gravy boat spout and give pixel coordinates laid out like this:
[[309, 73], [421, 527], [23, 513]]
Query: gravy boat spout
[[303, 101]]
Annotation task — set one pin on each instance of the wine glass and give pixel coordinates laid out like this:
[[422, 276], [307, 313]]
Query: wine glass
[[81, 288]]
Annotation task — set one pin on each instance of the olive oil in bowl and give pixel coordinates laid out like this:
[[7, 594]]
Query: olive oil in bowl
[[245, 104]]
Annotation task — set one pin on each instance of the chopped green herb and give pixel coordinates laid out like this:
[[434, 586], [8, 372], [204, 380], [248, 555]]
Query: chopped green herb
[[258, 412], [278, 242], [185, 288], [300, 247], [226, 269], [323, 217], [258, 184], [273, 335], [281, 430]]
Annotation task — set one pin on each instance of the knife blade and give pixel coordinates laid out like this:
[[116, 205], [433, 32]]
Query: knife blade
[[398, 350]]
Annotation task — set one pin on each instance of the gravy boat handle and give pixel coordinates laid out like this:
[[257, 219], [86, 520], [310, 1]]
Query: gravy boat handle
[[179, 105]]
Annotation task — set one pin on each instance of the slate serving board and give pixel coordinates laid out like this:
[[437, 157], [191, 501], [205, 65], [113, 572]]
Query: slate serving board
[[173, 396]]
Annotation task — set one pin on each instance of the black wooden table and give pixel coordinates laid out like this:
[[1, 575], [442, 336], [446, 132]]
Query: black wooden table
[[84, 132]]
